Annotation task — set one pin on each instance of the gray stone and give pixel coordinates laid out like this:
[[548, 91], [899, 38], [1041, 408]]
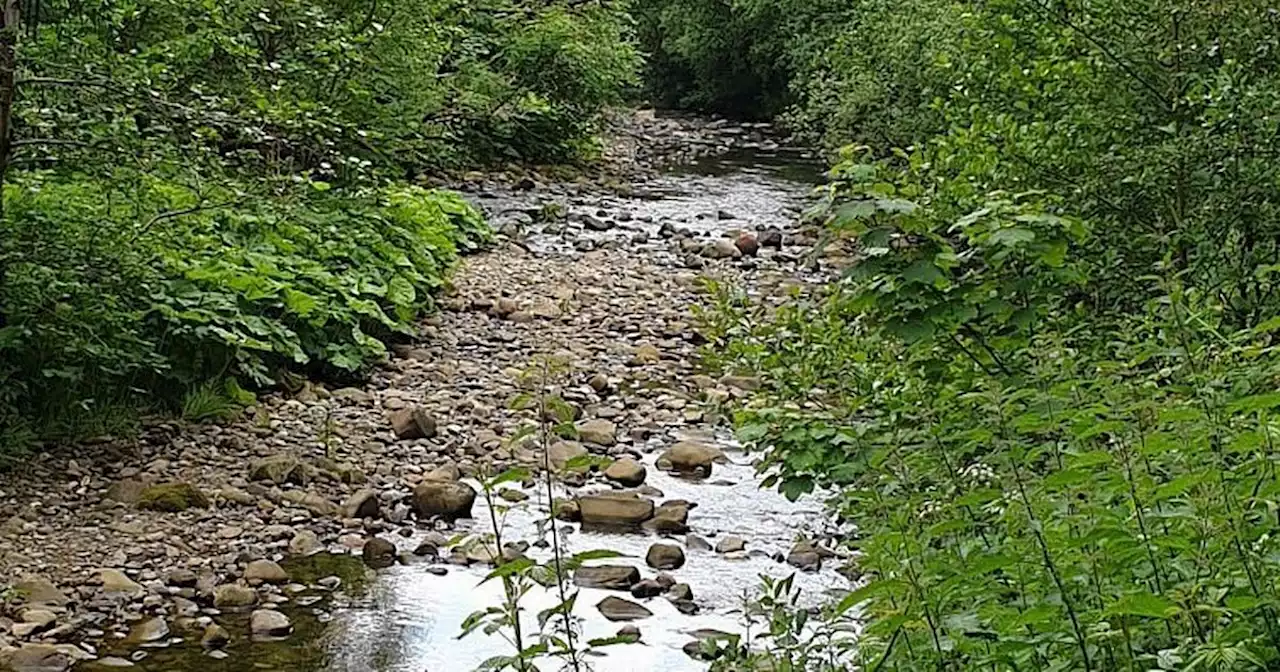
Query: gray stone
[[665, 556], [614, 511], [234, 595], [607, 577], [599, 432], [618, 609], [304, 543], [116, 584], [269, 623], [152, 630], [626, 472], [215, 637], [39, 590], [265, 571], [563, 452], [448, 500], [379, 553], [362, 504], [690, 458], [730, 544]]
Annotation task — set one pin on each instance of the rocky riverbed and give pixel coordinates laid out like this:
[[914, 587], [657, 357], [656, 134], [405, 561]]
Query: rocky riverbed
[[314, 534]]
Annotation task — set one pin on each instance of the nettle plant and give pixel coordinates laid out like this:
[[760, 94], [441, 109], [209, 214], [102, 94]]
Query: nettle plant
[[558, 632], [1037, 483]]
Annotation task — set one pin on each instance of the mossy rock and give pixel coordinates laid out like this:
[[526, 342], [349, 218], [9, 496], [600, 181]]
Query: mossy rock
[[172, 498]]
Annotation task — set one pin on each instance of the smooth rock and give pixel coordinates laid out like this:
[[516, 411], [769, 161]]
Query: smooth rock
[[152, 630], [265, 571], [563, 452], [448, 500], [305, 543], [379, 553], [607, 577], [269, 623], [690, 458], [234, 595], [665, 556], [730, 544], [618, 609], [611, 511], [362, 504], [39, 590], [599, 432], [215, 637], [626, 472], [116, 584]]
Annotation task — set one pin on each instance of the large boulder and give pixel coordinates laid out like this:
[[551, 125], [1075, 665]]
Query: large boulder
[[626, 472], [281, 469], [447, 499], [234, 595], [363, 504], [379, 553], [38, 658], [563, 452], [315, 503], [690, 458], [607, 577], [39, 590], [265, 571], [116, 584], [269, 623], [614, 511], [665, 556], [599, 432], [126, 491], [150, 630], [413, 423], [731, 544], [672, 517], [805, 557], [618, 609], [172, 498], [215, 637], [305, 542]]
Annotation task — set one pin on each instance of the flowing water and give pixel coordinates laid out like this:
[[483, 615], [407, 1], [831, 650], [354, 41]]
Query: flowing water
[[408, 618]]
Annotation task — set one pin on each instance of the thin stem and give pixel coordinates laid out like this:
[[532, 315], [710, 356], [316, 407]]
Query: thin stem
[[545, 438]]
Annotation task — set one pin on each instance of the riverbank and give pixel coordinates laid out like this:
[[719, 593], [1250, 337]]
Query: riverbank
[[191, 523]]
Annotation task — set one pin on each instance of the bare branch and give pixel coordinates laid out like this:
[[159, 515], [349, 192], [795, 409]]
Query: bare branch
[[171, 214], [47, 141]]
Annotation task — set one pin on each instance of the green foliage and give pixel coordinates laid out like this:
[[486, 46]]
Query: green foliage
[[99, 299], [1045, 392], [1036, 483], [200, 192], [736, 58]]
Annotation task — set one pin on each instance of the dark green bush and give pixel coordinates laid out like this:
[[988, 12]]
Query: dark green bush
[[239, 285], [202, 195]]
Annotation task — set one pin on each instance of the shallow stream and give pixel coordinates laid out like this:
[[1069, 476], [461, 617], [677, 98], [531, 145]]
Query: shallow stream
[[408, 618]]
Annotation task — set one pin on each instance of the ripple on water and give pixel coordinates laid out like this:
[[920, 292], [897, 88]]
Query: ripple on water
[[415, 617]]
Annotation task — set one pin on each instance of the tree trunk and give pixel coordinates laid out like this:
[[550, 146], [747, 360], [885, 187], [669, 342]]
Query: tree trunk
[[10, 20]]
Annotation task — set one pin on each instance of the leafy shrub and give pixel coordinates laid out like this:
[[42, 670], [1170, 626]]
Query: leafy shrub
[[203, 195], [236, 285], [1037, 482]]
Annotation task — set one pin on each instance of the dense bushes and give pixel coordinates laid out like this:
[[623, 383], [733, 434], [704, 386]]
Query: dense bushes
[[1045, 393], [102, 302], [1035, 484], [208, 191], [736, 58]]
